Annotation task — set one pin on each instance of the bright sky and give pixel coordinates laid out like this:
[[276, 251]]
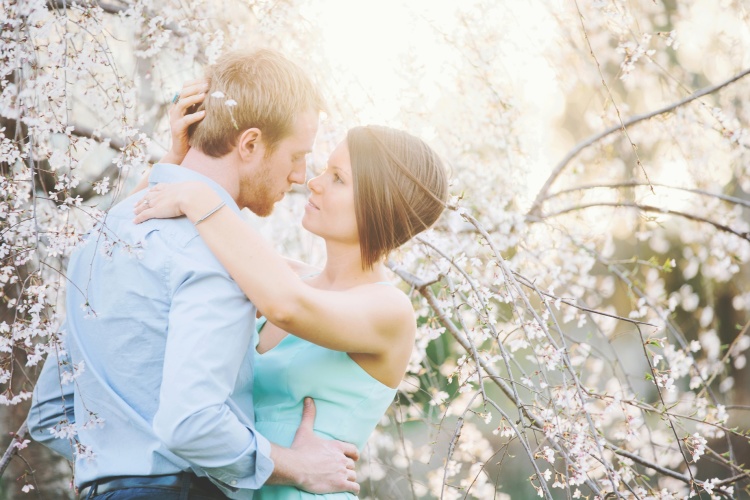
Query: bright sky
[[368, 40]]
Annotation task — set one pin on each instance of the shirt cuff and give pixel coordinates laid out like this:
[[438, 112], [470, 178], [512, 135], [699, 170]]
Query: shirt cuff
[[264, 465], [253, 479]]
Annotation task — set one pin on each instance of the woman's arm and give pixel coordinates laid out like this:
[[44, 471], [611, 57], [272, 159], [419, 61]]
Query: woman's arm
[[180, 119], [365, 319]]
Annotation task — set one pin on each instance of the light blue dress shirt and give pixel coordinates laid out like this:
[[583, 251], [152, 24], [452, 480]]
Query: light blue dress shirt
[[165, 338]]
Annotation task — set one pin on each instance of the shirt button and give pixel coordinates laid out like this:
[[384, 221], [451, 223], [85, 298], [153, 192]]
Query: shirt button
[[234, 483]]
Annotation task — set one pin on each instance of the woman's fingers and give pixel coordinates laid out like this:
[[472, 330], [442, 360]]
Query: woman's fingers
[[151, 196], [144, 210], [142, 205], [141, 216], [180, 119], [193, 117], [159, 202], [193, 83], [192, 100], [184, 104], [179, 111], [138, 211], [193, 88]]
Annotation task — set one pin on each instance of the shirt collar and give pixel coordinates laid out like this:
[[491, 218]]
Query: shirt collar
[[165, 172]]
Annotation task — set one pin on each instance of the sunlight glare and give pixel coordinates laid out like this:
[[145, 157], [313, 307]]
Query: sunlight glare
[[366, 40], [378, 48]]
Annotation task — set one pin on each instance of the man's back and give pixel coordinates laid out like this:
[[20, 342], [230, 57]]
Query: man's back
[[163, 334]]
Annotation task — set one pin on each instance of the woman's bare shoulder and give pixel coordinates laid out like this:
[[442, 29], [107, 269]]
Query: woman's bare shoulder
[[392, 304]]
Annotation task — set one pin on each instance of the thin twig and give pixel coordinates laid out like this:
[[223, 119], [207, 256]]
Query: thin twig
[[12, 449], [612, 98], [527, 283]]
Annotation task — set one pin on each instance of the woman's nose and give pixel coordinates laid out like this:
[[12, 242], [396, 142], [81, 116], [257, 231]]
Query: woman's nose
[[313, 184]]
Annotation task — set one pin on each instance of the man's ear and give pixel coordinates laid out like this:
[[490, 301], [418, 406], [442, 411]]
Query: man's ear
[[250, 144]]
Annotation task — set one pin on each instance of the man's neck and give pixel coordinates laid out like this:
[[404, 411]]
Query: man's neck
[[220, 170]]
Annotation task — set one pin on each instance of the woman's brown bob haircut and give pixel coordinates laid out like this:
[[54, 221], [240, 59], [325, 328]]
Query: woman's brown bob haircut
[[270, 92], [400, 188]]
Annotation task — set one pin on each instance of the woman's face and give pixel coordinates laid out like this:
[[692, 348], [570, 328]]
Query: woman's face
[[329, 212]]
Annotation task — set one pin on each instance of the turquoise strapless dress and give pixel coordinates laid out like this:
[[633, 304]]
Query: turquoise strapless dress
[[349, 402]]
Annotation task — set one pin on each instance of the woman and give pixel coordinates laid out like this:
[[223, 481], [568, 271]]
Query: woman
[[342, 336]]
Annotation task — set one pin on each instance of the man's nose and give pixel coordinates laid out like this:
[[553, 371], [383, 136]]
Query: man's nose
[[297, 176]]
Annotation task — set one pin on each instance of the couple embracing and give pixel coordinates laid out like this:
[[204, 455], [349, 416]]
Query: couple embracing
[[179, 392]]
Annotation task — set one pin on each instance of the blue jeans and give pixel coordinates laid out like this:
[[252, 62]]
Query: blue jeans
[[151, 493], [181, 486]]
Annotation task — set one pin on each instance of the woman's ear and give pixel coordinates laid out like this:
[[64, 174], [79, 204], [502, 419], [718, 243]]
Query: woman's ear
[[250, 144]]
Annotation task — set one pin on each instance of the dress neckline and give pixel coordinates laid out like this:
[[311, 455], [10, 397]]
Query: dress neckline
[[262, 321]]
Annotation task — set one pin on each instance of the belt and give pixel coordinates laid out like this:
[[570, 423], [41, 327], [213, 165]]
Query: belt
[[195, 484]]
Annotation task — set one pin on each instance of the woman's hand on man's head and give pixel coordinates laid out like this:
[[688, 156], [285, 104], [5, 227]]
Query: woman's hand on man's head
[[182, 115]]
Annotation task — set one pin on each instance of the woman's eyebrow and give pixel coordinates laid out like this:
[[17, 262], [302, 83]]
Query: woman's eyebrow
[[338, 170]]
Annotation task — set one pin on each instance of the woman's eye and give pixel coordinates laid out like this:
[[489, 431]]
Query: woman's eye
[[336, 178]]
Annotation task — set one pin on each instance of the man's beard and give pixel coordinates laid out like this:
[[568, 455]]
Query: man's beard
[[256, 194]]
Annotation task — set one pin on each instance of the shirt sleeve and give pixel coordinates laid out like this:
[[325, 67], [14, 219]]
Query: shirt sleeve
[[210, 332], [52, 406]]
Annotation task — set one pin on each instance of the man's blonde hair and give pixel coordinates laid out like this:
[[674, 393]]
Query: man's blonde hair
[[260, 89]]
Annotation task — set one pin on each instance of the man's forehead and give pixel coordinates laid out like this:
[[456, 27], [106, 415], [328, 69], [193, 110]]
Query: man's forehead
[[306, 122], [300, 141], [302, 152]]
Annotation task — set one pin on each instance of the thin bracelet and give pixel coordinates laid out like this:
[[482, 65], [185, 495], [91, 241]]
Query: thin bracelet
[[209, 214]]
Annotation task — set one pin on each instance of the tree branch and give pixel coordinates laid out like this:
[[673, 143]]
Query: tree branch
[[12, 448], [529, 284], [650, 208], [702, 192], [542, 195], [112, 142], [105, 6], [508, 389]]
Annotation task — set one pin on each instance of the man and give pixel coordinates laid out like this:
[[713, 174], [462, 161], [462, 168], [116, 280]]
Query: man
[[157, 340]]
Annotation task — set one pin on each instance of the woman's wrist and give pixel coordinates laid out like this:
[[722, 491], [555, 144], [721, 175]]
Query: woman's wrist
[[197, 200]]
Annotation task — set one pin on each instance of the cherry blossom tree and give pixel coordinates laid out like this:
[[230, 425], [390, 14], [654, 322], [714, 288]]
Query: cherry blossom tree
[[583, 303]]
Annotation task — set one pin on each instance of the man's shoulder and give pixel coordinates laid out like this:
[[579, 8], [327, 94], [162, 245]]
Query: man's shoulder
[[173, 246], [118, 221], [174, 239]]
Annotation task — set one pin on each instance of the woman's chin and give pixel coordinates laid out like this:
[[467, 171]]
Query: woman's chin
[[307, 226]]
